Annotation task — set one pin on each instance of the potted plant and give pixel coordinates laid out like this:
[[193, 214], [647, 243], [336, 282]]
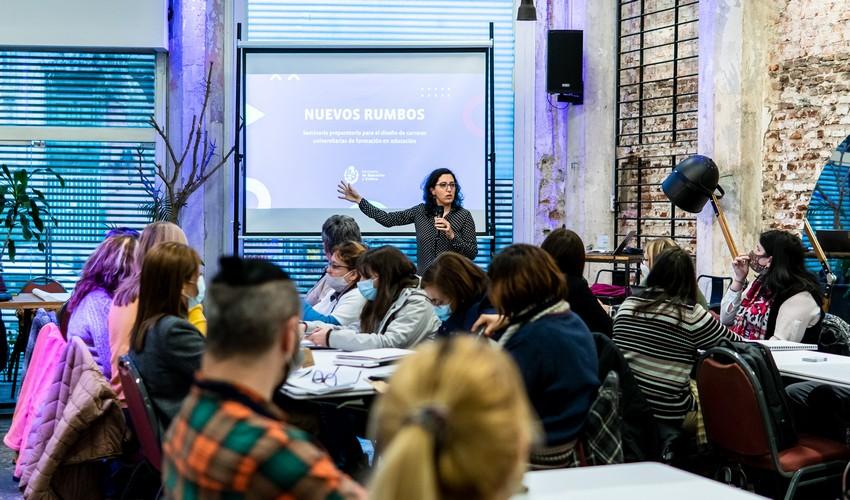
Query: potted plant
[[23, 206]]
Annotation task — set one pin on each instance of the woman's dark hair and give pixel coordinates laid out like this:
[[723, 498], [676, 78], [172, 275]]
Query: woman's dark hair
[[431, 182], [395, 273], [458, 278], [166, 268], [671, 282], [523, 276], [787, 273], [567, 249]]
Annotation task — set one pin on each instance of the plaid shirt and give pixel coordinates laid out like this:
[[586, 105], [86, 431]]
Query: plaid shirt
[[227, 442]]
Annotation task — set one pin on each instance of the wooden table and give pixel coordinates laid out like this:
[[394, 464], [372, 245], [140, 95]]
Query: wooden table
[[626, 260], [26, 304]]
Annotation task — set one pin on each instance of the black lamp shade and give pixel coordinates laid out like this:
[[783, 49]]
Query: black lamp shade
[[526, 11], [692, 183]]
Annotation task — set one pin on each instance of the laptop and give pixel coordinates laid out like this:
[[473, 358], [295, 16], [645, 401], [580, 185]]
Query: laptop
[[834, 240], [623, 244]]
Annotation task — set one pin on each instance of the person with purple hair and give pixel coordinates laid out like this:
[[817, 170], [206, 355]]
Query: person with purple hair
[[87, 310]]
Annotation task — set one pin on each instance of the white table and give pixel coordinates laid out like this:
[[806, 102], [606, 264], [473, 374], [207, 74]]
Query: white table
[[835, 370], [324, 361], [645, 480]]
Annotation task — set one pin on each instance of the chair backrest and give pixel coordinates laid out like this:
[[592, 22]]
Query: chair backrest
[[43, 283], [718, 287], [618, 276], [733, 404], [142, 415]]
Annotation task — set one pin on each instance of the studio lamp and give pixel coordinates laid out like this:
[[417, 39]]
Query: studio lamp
[[526, 11], [692, 184]]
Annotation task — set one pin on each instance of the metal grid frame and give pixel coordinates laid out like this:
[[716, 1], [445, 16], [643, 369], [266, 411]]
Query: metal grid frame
[[657, 71]]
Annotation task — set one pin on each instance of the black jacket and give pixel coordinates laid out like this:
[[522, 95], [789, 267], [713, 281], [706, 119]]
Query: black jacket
[[584, 304], [169, 358]]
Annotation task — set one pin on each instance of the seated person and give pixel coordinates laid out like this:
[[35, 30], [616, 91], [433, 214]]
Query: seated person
[[821, 409], [650, 254], [783, 301], [164, 346], [659, 333], [337, 229], [228, 439], [398, 312], [458, 290], [454, 423], [125, 304], [552, 346], [567, 249], [342, 302], [87, 311]]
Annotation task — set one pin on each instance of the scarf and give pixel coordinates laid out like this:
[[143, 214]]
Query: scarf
[[751, 318], [558, 307]]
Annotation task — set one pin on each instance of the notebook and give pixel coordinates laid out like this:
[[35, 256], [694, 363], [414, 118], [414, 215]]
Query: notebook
[[371, 358], [51, 297], [785, 345]]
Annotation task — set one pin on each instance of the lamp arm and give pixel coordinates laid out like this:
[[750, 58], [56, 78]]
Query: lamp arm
[[821, 256], [724, 226]]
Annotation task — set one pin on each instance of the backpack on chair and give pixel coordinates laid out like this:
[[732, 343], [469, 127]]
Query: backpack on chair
[[759, 358], [834, 336]]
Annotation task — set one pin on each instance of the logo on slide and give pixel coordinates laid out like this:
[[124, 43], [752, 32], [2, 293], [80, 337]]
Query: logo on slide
[[351, 174]]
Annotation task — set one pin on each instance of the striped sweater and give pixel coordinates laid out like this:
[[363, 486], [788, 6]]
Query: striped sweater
[[661, 350]]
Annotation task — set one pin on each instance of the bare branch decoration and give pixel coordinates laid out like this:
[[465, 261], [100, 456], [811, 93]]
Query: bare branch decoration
[[168, 201]]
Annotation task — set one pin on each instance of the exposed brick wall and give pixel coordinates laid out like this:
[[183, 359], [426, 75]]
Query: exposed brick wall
[[808, 101], [648, 99]]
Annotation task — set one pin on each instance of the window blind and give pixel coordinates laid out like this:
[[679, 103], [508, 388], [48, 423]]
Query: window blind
[[77, 103], [400, 21]]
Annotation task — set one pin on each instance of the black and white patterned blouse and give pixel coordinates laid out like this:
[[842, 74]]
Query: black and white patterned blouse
[[429, 241]]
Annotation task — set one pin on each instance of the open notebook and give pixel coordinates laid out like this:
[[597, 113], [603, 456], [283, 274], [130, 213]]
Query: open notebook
[[785, 345]]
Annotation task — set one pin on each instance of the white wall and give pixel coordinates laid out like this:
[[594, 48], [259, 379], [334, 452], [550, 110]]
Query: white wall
[[127, 24]]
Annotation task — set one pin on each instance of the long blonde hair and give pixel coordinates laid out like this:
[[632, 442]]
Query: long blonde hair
[[655, 247], [455, 423], [153, 234]]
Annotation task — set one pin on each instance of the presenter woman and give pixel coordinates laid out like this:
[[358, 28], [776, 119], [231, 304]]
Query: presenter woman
[[441, 223]]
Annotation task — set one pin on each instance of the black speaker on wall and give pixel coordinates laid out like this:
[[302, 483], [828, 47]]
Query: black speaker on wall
[[564, 64]]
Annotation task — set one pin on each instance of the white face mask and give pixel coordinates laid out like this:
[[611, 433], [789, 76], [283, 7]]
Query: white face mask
[[338, 283], [644, 270]]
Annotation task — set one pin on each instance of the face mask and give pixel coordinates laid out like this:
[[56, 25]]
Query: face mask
[[644, 270], [202, 291], [367, 288], [293, 364], [754, 263], [337, 283], [444, 312]]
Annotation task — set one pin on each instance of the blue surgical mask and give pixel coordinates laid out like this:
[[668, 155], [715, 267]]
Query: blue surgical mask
[[444, 312], [202, 291], [367, 288]]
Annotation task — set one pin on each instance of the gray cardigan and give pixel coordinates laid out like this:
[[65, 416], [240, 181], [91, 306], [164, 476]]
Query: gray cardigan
[[409, 321]]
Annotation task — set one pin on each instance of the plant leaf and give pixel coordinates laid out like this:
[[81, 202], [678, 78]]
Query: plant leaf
[[8, 174], [40, 245], [25, 226], [35, 213], [12, 250], [59, 177]]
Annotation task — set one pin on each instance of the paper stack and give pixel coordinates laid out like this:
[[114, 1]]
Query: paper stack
[[371, 358]]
